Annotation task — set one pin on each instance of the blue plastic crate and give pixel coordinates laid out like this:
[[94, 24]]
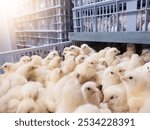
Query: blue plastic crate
[[111, 15]]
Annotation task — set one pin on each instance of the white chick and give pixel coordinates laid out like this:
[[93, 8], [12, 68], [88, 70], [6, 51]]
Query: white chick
[[116, 98], [53, 77], [104, 108], [86, 50], [31, 90], [87, 108], [4, 87], [27, 70], [67, 49], [134, 62], [98, 77], [27, 105], [13, 105], [80, 59], [146, 55], [54, 63], [69, 65], [36, 60], [75, 50], [68, 55], [146, 107], [102, 61], [40, 74], [130, 50], [72, 96], [13, 93], [91, 93], [110, 77], [87, 70], [8, 68], [136, 86], [102, 53], [58, 89], [11, 81], [23, 60], [45, 101], [111, 55], [49, 57]]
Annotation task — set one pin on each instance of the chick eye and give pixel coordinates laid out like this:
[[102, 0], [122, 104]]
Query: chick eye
[[5, 66], [54, 54], [92, 63], [130, 77], [82, 58], [147, 67], [112, 72], [112, 97], [115, 51], [120, 70], [88, 88]]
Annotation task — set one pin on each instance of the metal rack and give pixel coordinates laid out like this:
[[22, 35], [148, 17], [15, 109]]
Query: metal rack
[[124, 21], [43, 22]]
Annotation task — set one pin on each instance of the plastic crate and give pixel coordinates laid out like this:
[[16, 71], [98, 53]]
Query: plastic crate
[[46, 16], [111, 15], [14, 56]]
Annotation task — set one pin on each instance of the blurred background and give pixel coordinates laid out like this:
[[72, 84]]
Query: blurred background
[[30, 23], [7, 13]]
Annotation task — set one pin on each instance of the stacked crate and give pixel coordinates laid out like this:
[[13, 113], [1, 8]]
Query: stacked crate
[[111, 15], [42, 22]]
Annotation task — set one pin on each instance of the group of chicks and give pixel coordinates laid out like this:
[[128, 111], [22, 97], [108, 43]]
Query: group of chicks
[[82, 80]]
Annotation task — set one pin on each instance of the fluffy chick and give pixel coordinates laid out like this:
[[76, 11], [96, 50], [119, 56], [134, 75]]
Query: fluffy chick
[[72, 96], [86, 50], [58, 89], [116, 98], [54, 63], [27, 105], [91, 93], [23, 60], [87, 108], [49, 57], [110, 77], [80, 59], [87, 70], [36, 60], [69, 65], [111, 55], [146, 55], [27, 70], [136, 86], [8, 68], [31, 90], [130, 50], [75, 50]]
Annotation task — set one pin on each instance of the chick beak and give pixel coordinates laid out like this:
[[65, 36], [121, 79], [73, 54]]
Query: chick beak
[[118, 52], [93, 92]]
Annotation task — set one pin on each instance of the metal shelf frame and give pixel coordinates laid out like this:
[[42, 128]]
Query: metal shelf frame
[[52, 18], [111, 37]]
